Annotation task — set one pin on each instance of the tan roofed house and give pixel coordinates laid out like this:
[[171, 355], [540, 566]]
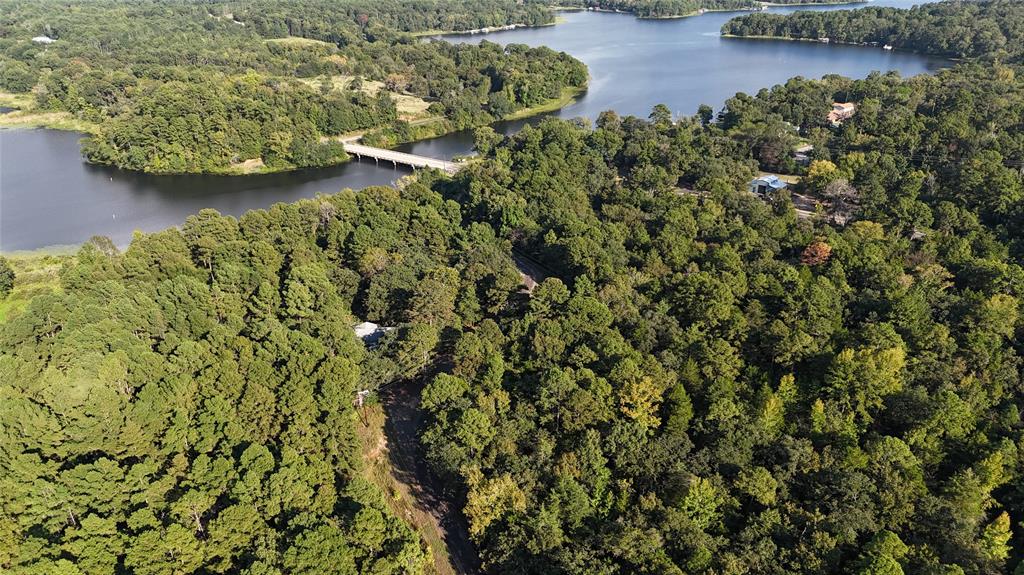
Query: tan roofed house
[[841, 111]]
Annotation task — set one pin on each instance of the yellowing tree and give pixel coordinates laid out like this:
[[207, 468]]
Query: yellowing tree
[[820, 174], [995, 538], [489, 500]]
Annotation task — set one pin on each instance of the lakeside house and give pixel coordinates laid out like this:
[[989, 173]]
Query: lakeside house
[[841, 111], [43, 40], [766, 184]]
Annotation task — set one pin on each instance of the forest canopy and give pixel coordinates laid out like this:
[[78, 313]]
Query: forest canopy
[[187, 405], [713, 384], [707, 382], [702, 381], [993, 29]]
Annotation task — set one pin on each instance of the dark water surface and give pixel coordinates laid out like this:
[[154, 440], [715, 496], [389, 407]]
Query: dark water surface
[[49, 196]]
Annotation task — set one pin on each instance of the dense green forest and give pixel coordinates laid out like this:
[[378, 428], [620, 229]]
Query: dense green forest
[[709, 383], [212, 87], [678, 8], [957, 29], [187, 406], [713, 385]]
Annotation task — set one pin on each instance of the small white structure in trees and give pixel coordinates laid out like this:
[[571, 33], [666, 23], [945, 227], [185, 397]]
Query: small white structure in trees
[[370, 332], [802, 154], [43, 40]]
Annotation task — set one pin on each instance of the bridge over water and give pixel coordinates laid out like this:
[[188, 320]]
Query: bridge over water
[[412, 160]]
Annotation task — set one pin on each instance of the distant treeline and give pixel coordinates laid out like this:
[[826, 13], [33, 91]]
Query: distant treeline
[[954, 29], [295, 17], [182, 87], [676, 8]]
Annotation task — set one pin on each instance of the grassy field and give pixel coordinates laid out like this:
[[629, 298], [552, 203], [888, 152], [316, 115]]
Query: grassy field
[[568, 96], [298, 41], [434, 126], [16, 100], [36, 273], [410, 108], [26, 116], [437, 32]]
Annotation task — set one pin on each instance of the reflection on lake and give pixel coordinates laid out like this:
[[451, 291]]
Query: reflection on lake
[[49, 196]]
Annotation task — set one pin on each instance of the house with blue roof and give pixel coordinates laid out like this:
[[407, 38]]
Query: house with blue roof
[[767, 184]]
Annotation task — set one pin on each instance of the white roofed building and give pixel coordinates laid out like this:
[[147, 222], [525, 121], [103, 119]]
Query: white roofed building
[[370, 332]]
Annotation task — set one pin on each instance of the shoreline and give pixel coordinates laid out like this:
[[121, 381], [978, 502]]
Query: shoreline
[[841, 43], [64, 121], [758, 6], [484, 30], [841, 3], [693, 14], [23, 114], [569, 96], [26, 118]]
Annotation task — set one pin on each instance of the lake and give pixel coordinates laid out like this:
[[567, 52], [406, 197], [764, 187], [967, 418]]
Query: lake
[[50, 196], [636, 64]]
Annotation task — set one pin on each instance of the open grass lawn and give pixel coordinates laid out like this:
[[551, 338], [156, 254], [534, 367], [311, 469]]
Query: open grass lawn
[[35, 273], [26, 115], [298, 41], [409, 107]]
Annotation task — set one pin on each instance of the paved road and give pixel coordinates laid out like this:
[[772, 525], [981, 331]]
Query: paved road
[[399, 157]]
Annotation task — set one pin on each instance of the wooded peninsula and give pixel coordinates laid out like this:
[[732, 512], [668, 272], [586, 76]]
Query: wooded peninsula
[[223, 87]]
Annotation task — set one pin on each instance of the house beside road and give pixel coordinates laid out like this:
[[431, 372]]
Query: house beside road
[[766, 184]]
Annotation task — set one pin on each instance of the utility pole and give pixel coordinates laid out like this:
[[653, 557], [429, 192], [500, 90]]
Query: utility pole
[[360, 400]]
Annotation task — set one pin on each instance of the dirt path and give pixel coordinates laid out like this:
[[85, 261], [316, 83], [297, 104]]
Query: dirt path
[[410, 470], [806, 206], [530, 270]]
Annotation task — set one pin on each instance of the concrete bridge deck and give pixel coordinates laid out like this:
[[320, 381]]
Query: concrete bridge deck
[[412, 160]]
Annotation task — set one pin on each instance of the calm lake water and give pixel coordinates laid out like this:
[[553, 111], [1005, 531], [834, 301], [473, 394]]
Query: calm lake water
[[49, 196]]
